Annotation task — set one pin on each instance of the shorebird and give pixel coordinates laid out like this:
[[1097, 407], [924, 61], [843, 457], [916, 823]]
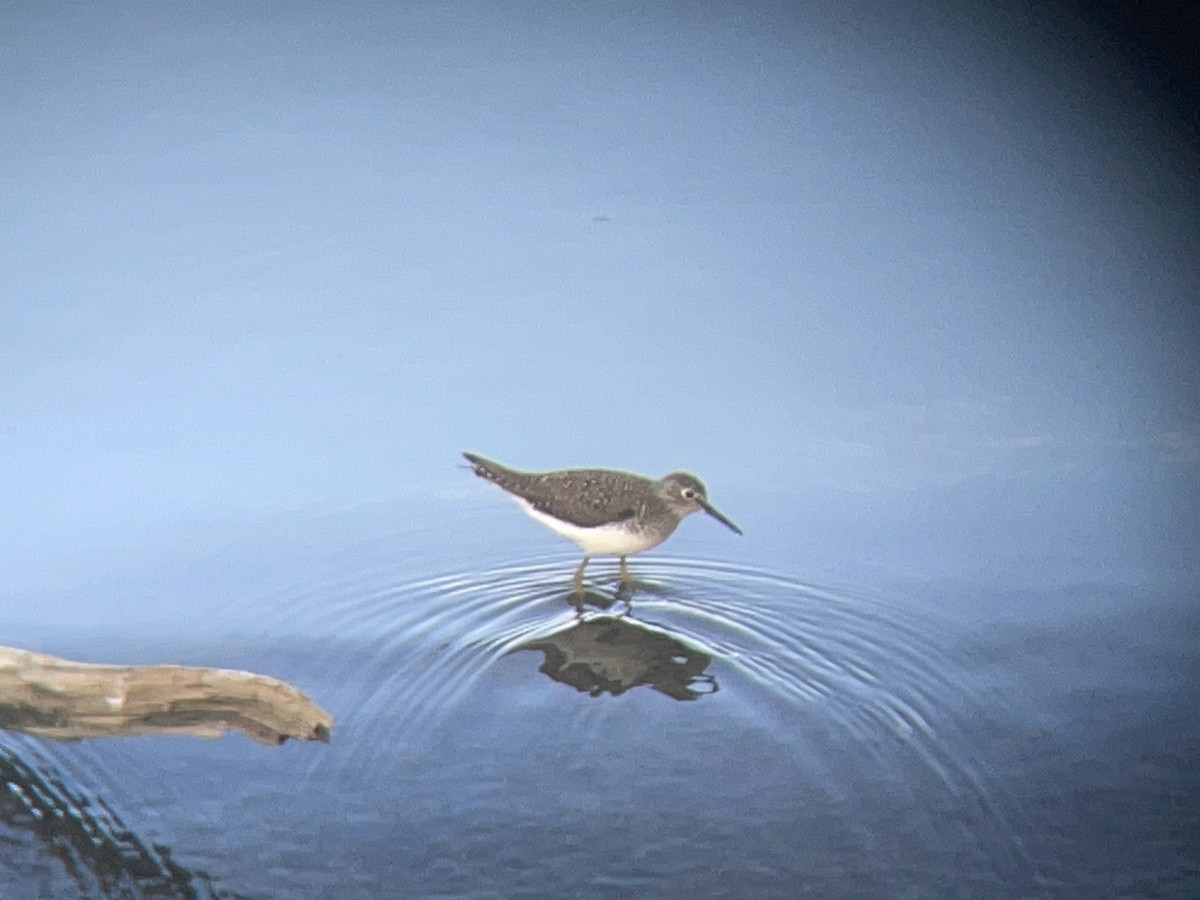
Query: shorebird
[[607, 513]]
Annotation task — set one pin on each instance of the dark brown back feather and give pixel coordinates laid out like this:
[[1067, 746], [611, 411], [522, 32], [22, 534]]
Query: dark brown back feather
[[584, 497]]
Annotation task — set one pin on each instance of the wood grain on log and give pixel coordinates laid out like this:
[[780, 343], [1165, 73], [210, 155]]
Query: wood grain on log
[[57, 698]]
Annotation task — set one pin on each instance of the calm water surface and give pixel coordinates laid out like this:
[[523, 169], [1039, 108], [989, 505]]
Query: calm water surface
[[725, 727]]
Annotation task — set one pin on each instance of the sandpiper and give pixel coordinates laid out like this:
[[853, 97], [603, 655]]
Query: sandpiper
[[607, 513]]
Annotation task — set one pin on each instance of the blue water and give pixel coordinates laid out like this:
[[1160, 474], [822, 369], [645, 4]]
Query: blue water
[[718, 729], [912, 291]]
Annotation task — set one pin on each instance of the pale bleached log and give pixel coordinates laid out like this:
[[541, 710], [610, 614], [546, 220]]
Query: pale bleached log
[[57, 698]]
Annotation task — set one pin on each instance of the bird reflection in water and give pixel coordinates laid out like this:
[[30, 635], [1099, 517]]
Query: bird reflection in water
[[611, 655]]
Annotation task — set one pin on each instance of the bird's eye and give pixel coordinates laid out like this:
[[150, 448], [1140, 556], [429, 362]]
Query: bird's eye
[[689, 493]]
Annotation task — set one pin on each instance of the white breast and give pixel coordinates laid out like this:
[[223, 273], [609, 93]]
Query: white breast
[[603, 540]]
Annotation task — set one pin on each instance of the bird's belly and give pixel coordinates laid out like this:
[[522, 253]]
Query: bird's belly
[[610, 540]]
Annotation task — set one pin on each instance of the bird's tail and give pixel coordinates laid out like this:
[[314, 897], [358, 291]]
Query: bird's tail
[[509, 479], [485, 468]]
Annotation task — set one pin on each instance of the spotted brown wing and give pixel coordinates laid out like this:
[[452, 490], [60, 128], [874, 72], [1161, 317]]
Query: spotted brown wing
[[584, 497]]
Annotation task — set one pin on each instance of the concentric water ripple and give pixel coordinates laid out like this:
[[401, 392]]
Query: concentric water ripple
[[424, 642], [856, 689], [405, 654]]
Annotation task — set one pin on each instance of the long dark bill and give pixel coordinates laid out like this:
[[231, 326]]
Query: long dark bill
[[712, 511]]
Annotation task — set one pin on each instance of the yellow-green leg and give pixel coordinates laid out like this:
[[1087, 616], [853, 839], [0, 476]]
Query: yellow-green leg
[[579, 575], [625, 579]]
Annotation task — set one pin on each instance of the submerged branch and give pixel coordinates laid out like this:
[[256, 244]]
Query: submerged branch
[[57, 698]]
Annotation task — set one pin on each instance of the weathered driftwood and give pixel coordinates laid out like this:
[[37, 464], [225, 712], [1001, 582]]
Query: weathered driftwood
[[57, 698]]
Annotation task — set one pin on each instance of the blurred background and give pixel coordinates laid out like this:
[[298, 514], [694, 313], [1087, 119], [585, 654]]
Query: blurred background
[[259, 259], [911, 286]]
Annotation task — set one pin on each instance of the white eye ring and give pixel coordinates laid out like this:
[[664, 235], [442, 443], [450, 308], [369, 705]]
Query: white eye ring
[[689, 493]]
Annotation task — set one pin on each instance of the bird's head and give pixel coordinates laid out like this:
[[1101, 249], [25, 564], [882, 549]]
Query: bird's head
[[686, 493]]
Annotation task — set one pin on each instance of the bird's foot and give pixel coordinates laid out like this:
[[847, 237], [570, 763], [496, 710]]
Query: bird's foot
[[584, 599]]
